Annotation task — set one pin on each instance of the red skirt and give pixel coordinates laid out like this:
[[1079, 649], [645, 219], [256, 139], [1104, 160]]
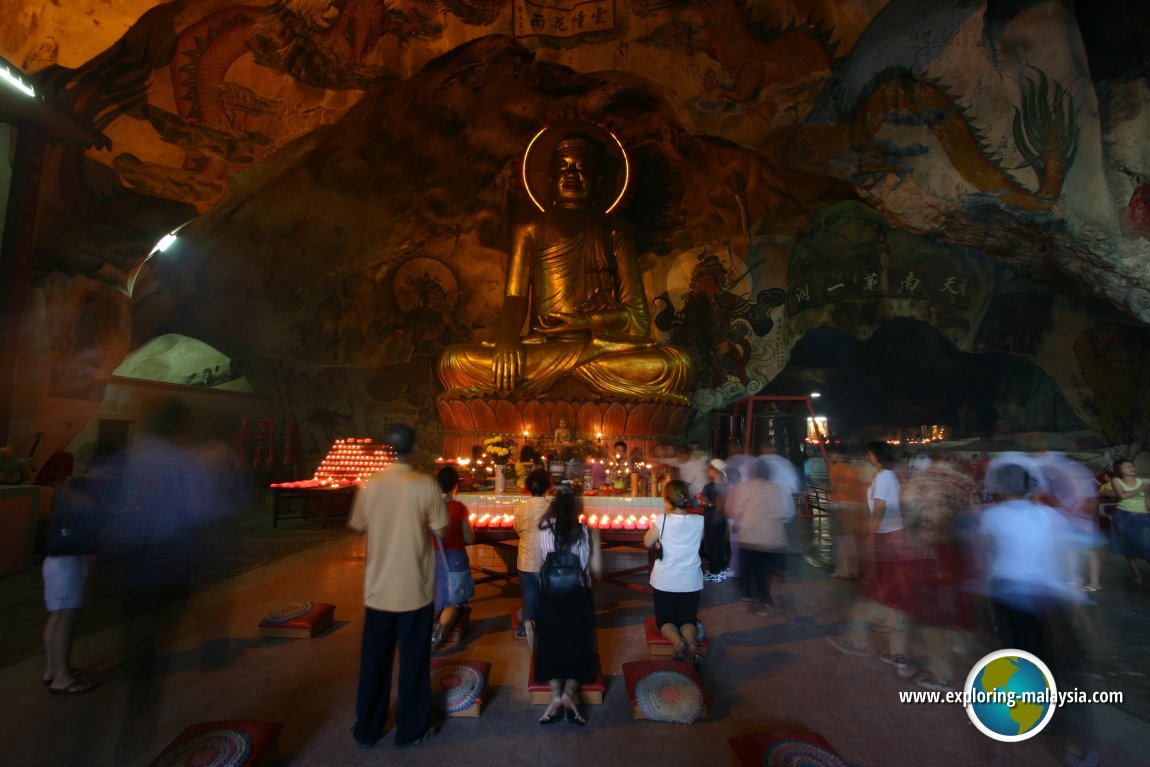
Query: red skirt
[[892, 584]]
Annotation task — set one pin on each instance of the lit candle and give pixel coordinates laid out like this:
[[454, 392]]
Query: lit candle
[[643, 523]]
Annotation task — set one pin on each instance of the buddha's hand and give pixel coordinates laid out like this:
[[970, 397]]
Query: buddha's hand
[[563, 322], [506, 365]]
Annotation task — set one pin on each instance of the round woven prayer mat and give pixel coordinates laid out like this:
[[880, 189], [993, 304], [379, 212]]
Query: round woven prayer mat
[[800, 753], [215, 748], [669, 696], [455, 687], [290, 611]]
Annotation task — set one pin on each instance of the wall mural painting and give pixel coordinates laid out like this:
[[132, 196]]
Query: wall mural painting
[[85, 319], [753, 56], [723, 322], [1044, 131], [327, 406], [422, 323], [324, 45]]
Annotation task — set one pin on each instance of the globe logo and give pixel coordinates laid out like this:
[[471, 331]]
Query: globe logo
[[1011, 695]]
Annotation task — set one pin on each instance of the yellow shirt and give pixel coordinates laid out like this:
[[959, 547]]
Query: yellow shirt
[[398, 509], [1135, 504], [527, 516]]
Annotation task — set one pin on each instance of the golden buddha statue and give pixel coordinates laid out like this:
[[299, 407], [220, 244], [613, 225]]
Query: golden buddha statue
[[574, 276]]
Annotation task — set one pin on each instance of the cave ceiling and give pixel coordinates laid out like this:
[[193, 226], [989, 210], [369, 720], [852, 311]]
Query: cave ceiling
[[330, 162]]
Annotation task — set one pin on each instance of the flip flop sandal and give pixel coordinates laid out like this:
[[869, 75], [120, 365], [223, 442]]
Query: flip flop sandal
[[76, 688], [76, 672]]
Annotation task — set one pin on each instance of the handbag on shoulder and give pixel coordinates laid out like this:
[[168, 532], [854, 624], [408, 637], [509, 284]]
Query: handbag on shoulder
[[657, 548]]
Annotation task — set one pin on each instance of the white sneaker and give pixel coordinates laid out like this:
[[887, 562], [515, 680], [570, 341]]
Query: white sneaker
[[898, 661]]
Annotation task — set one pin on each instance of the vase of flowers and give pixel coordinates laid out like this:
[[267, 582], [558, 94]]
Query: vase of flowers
[[499, 449]]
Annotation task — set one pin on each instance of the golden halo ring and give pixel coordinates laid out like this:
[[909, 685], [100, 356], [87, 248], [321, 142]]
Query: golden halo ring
[[536, 170]]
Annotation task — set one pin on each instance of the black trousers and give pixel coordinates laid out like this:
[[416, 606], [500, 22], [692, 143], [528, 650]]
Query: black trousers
[[714, 540], [758, 568], [382, 631]]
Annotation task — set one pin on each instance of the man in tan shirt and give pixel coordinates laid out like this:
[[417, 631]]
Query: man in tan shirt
[[399, 510]]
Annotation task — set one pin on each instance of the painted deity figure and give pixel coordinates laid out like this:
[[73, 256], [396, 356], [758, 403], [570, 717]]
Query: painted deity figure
[[574, 277]]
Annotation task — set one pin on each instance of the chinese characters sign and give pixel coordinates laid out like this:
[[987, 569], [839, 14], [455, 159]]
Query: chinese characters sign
[[562, 18], [948, 286]]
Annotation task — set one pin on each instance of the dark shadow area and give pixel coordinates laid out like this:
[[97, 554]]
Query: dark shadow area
[[241, 542], [908, 375]]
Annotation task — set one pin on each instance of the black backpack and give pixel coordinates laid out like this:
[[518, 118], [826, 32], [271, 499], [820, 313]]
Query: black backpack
[[562, 578]]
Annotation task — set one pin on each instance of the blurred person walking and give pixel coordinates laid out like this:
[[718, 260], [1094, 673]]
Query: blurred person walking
[[713, 499], [400, 511], [888, 591], [936, 511], [848, 496], [1073, 490], [1026, 546], [150, 549], [759, 509]]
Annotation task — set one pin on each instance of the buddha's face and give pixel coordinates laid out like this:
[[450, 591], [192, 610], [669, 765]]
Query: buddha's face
[[574, 171]]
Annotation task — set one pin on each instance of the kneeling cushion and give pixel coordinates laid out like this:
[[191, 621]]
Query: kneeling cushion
[[298, 620], [783, 749], [228, 743], [457, 686], [665, 691]]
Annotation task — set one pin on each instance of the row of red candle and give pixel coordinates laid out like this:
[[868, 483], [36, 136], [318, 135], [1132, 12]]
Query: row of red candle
[[604, 522]]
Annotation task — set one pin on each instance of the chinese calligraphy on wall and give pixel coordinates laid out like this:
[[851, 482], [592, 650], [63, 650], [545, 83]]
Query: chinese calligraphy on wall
[[948, 286], [562, 18]]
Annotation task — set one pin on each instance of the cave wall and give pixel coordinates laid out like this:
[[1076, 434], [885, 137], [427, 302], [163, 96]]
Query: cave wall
[[345, 174]]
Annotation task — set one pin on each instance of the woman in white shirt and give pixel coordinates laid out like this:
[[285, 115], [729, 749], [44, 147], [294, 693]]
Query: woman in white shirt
[[677, 577]]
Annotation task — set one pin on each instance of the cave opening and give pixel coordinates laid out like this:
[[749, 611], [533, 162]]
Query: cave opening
[[907, 376]]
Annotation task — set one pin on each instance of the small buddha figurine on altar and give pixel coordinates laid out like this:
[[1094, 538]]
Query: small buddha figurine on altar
[[562, 436], [574, 277]]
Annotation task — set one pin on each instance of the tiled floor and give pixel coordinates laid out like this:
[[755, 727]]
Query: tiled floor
[[765, 674]]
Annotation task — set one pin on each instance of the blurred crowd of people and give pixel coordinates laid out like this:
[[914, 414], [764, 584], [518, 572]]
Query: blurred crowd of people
[[942, 548]]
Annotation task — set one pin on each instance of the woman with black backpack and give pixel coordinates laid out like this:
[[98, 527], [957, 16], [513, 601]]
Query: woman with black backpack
[[565, 645]]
